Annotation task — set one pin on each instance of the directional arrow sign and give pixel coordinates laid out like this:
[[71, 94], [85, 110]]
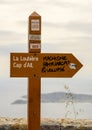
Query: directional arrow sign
[[43, 65], [35, 65]]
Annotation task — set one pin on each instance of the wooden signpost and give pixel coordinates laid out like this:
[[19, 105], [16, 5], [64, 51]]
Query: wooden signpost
[[35, 65]]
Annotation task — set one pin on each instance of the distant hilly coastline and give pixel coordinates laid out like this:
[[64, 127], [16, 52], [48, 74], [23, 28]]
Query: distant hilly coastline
[[58, 97]]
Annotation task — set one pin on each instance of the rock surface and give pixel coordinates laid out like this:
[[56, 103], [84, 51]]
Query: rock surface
[[46, 124]]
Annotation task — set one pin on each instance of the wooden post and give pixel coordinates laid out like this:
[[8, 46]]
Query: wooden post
[[34, 103], [34, 83], [42, 65]]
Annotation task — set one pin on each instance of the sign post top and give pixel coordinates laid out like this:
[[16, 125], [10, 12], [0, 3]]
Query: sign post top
[[34, 33], [35, 14]]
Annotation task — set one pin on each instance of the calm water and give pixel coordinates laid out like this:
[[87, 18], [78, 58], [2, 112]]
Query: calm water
[[50, 110], [59, 110]]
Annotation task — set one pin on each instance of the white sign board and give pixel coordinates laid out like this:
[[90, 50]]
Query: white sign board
[[35, 46], [34, 37], [35, 25]]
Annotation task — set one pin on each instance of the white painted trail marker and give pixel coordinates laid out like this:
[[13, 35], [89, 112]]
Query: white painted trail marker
[[35, 65]]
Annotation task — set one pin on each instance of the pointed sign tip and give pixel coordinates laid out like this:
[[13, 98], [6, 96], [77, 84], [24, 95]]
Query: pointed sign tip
[[34, 14]]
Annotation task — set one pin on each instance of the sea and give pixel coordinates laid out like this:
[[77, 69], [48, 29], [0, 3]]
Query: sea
[[50, 110]]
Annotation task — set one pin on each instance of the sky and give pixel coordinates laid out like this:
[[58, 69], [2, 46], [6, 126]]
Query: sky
[[66, 28]]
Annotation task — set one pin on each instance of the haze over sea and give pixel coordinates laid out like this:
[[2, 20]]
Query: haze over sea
[[50, 110]]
